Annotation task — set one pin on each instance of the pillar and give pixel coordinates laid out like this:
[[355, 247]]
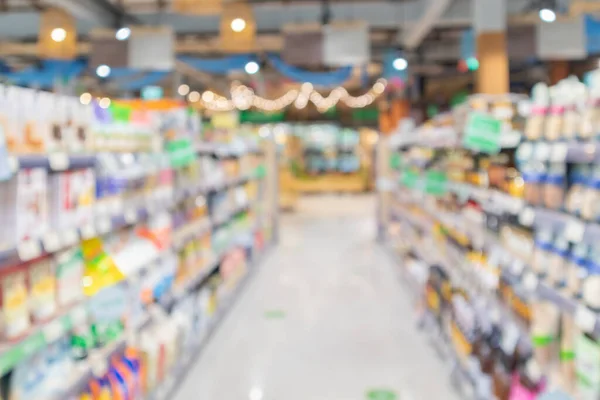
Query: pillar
[[490, 30], [559, 70]]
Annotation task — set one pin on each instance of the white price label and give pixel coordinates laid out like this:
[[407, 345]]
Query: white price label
[[131, 216], [527, 216], [525, 151], [29, 249], [53, 331], [58, 161], [88, 231], [116, 206], [517, 267], [51, 242], [78, 316], [575, 230], [530, 282], [510, 338], [585, 319], [70, 237], [559, 152], [542, 151], [13, 164], [104, 225], [101, 208]]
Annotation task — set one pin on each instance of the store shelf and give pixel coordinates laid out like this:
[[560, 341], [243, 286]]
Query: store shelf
[[575, 229], [205, 189], [11, 354], [219, 222], [167, 389], [227, 150], [83, 374], [56, 241], [54, 162], [573, 152]]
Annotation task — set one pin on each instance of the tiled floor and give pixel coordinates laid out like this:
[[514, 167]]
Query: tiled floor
[[342, 324]]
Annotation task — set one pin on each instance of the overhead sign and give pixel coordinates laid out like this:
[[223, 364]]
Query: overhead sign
[[346, 44], [152, 93]]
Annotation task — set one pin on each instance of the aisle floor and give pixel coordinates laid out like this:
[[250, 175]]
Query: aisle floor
[[324, 318]]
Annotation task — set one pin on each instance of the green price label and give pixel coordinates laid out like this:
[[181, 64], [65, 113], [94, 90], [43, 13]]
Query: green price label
[[483, 133], [436, 183], [381, 394]]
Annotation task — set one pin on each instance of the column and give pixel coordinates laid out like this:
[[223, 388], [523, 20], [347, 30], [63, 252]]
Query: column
[[490, 29], [558, 70]]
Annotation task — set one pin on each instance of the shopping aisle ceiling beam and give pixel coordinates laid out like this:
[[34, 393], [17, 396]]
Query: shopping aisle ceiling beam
[[432, 13], [102, 13], [86, 10]]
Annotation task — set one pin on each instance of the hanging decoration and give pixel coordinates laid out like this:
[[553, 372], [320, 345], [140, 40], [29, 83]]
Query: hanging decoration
[[243, 97], [324, 79]]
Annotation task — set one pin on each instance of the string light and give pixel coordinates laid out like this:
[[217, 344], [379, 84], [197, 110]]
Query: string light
[[85, 98], [243, 97], [183, 89], [104, 102], [194, 96]]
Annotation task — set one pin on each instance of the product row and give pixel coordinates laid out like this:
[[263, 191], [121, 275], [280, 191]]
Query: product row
[[38, 203]]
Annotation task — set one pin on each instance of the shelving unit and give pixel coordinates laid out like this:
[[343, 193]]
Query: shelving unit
[[453, 223], [177, 234]]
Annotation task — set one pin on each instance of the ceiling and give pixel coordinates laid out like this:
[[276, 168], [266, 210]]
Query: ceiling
[[428, 30]]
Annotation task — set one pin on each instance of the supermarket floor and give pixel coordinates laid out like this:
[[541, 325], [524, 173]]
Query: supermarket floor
[[324, 318]]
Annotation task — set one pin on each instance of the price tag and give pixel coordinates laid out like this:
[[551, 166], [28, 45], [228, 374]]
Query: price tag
[[70, 237], [131, 216], [116, 206], [51, 242], [104, 225], [510, 338], [585, 319], [78, 316], [524, 107], [53, 331], [58, 161], [13, 164], [559, 152], [525, 151], [517, 267], [101, 208], [542, 151], [527, 216], [530, 282], [29, 249], [88, 231], [575, 230]]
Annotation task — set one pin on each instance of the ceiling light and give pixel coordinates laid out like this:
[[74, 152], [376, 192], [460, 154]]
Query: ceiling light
[[123, 33], [104, 102], [547, 15], [103, 71], [58, 34], [183, 90], [252, 67], [238, 25], [85, 98], [208, 96], [400, 64], [194, 97]]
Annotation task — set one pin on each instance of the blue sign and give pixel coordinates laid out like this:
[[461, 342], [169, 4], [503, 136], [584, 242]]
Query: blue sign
[[592, 34], [467, 45], [152, 93]]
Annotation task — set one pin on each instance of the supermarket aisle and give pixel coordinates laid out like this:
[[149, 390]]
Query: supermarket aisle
[[324, 319]]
